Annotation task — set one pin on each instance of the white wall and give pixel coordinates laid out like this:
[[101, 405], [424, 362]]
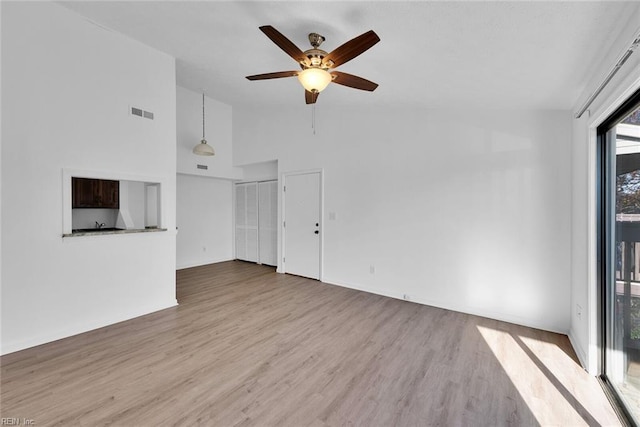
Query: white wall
[[1, 196], [67, 87], [217, 131], [136, 203], [264, 171], [87, 218], [205, 221], [205, 204], [466, 210], [583, 332]]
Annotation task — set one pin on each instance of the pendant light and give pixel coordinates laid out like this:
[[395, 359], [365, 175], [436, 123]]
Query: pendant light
[[203, 149]]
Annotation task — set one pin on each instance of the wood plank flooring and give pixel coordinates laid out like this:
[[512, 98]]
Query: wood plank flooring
[[249, 347]]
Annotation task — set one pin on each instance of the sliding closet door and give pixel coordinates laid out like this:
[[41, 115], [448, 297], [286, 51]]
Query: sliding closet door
[[268, 222], [256, 222], [247, 222]]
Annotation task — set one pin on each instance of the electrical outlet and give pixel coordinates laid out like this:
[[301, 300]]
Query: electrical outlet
[[372, 269], [578, 311]]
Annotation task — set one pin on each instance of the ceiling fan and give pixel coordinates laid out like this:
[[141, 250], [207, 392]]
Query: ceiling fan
[[316, 63]]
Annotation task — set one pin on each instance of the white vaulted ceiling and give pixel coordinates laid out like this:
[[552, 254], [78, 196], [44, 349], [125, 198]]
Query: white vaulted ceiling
[[431, 54]]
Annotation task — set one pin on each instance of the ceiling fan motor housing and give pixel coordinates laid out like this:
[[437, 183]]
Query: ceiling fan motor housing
[[314, 59]]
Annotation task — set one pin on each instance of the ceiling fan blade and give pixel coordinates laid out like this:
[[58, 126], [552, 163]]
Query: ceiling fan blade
[[351, 49], [311, 97], [283, 43], [278, 75], [355, 82]]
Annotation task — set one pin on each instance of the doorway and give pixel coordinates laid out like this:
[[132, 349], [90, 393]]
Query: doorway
[[302, 224], [256, 221], [619, 252]]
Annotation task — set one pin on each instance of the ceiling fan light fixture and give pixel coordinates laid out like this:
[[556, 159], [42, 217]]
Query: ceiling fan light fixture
[[314, 79]]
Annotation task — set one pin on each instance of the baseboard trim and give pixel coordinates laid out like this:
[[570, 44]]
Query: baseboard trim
[[15, 346], [201, 263], [582, 356], [453, 307]]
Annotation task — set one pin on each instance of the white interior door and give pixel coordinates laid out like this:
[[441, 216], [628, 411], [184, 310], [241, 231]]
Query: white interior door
[[302, 224]]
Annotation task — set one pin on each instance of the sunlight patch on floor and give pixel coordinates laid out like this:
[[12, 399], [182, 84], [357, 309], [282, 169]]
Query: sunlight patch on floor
[[538, 384]]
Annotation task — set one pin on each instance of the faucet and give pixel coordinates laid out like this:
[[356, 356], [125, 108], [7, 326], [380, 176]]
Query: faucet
[[99, 225]]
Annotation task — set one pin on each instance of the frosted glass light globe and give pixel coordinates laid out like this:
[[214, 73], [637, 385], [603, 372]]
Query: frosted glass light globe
[[314, 79]]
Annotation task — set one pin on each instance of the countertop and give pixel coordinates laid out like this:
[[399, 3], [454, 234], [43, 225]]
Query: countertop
[[98, 232]]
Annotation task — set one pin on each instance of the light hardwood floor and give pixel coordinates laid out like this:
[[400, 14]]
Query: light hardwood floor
[[247, 346]]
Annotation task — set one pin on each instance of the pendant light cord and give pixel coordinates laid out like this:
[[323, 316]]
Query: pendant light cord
[[203, 116]]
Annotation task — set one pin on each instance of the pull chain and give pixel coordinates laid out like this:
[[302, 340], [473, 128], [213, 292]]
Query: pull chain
[[313, 118]]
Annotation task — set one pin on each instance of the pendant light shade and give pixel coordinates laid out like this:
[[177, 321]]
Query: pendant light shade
[[203, 149]]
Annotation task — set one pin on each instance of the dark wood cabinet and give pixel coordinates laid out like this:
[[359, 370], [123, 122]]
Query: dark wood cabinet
[[95, 193]]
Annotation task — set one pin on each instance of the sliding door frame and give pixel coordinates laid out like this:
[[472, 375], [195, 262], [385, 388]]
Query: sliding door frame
[[605, 193]]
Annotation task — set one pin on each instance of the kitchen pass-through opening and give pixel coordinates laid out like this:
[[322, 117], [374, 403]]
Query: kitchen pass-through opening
[[101, 203]]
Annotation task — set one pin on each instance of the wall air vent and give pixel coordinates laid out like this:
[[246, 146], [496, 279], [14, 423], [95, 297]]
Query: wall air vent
[[205, 167], [141, 113]]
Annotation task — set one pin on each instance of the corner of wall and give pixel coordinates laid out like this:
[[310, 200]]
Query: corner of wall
[[579, 350], [49, 336]]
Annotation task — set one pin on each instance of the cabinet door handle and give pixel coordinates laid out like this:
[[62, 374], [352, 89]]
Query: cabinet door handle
[[316, 232]]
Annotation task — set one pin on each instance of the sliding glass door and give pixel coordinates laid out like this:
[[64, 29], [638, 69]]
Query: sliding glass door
[[619, 139]]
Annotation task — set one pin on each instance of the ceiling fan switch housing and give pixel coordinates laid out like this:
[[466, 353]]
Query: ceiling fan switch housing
[[313, 58]]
